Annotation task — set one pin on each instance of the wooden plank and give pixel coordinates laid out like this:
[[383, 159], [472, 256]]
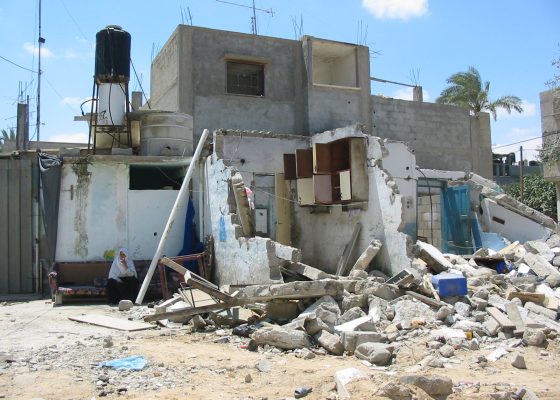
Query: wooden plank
[[173, 265], [14, 225], [283, 211], [343, 262], [358, 169], [26, 227], [340, 154], [4, 227], [500, 318], [322, 158], [537, 298], [304, 163], [112, 322]]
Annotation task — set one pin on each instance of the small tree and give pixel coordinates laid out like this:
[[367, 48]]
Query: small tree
[[537, 194], [7, 135], [467, 90]]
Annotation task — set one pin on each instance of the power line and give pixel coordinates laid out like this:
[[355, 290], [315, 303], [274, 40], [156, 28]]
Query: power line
[[521, 141], [17, 65]]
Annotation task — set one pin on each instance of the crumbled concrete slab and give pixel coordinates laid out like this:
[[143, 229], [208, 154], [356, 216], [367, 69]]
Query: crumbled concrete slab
[[354, 300], [352, 314], [308, 271], [362, 263], [288, 339], [545, 312], [375, 353], [362, 323], [543, 269], [295, 290], [518, 361], [408, 310], [433, 257], [344, 377], [352, 339], [330, 342], [433, 385]]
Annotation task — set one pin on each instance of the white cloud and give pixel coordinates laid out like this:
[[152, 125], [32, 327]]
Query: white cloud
[[529, 110], [34, 50], [72, 101], [79, 137], [406, 94], [396, 9]]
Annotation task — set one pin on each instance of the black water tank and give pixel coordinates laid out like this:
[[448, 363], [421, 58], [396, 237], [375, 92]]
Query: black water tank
[[112, 55]]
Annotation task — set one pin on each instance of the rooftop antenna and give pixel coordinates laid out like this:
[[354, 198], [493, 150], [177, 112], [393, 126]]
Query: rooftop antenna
[[254, 17], [41, 41], [186, 14]]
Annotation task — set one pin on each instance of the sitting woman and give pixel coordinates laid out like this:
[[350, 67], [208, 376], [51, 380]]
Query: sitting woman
[[123, 280]]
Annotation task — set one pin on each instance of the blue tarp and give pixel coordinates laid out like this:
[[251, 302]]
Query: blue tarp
[[136, 363]]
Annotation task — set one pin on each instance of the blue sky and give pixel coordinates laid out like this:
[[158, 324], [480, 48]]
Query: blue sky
[[511, 43]]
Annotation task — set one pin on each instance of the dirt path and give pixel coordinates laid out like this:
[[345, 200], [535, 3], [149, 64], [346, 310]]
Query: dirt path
[[43, 355]]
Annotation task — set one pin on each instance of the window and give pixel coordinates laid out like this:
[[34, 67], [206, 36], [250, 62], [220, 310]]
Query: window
[[155, 177], [245, 78]]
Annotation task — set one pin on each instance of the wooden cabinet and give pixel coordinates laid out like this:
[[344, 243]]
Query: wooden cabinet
[[330, 173]]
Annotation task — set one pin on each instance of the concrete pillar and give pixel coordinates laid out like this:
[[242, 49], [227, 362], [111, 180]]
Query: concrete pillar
[[557, 185], [417, 94]]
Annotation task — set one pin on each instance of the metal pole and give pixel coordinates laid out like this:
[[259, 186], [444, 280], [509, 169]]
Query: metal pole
[[181, 198], [521, 165], [41, 41]]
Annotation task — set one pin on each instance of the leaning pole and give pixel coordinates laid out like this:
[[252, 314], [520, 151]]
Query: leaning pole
[[181, 198]]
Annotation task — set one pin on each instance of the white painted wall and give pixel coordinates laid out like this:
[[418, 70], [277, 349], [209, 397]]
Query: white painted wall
[[516, 226], [101, 214]]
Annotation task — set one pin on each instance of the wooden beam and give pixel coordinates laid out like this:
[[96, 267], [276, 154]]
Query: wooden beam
[[537, 298]]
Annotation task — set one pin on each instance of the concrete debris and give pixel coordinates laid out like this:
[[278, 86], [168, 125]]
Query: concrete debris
[[281, 338], [375, 353], [518, 361], [512, 301], [344, 377], [125, 305], [433, 385]]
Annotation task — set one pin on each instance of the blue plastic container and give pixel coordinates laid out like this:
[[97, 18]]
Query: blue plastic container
[[449, 285]]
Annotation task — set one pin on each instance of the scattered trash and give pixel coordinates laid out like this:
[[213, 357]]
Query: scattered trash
[[302, 391], [135, 363]]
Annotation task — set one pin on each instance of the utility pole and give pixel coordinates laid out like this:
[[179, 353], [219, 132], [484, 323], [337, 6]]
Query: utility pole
[[521, 165]]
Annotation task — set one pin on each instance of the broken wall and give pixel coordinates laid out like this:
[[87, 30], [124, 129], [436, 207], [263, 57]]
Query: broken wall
[[443, 137], [321, 232]]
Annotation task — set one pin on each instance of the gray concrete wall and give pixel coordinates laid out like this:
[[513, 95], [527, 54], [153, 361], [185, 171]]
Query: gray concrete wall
[[550, 125], [443, 137], [189, 76]]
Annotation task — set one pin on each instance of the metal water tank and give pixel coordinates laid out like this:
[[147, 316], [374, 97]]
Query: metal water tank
[[111, 104], [166, 133], [112, 55]]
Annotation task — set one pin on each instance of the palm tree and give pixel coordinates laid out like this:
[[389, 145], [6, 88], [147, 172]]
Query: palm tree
[[7, 136], [467, 90]]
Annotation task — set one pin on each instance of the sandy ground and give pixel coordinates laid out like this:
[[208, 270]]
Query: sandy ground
[[43, 355]]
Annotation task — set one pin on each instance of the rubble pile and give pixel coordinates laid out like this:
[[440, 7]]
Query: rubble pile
[[501, 301]]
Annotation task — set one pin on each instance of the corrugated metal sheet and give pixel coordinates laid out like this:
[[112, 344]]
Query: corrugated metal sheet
[[16, 233]]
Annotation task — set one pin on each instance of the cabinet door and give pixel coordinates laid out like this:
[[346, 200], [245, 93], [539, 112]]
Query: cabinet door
[[345, 186], [322, 188], [322, 158], [304, 163], [305, 191]]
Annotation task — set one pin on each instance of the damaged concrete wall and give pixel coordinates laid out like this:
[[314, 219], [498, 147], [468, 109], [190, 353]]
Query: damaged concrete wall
[[98, 212], [460, 141], [321, 232]]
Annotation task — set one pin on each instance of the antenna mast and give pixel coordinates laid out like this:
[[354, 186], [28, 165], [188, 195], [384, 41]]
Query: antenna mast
[[254, 17], [41, 41]]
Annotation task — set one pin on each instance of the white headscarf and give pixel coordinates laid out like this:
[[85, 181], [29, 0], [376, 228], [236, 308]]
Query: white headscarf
[[122, 269]]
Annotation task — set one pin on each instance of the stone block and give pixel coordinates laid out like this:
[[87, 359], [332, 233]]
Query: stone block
[[288, 339], [354, 300], [375, 353], [125, 305], [545, 312], [287, 253], [518, 361], [408, 310], [433, 257], [315, 325], [433, 385], [352, 314], [541, 248], [543, 269], [330, 342], [351, 340], [359, 324]]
